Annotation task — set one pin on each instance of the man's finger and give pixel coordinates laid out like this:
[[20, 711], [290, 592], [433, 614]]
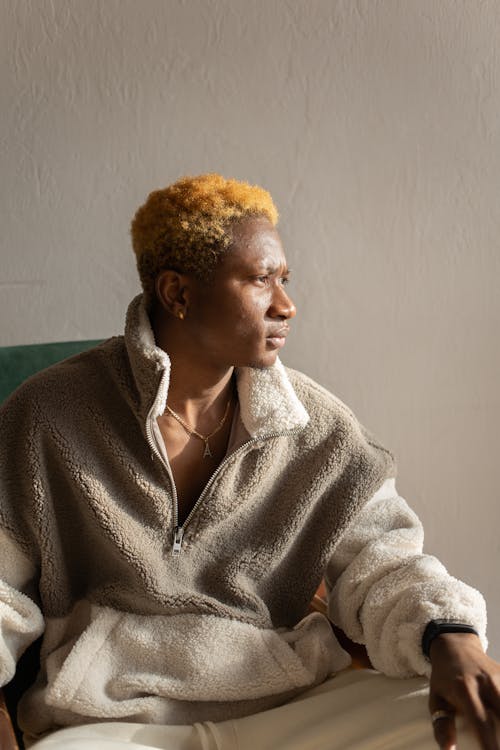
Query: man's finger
[[480, 718], [443, 721], [490, 692], [445, 733]]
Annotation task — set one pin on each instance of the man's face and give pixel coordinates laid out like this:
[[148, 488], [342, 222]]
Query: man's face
[[240, 317]]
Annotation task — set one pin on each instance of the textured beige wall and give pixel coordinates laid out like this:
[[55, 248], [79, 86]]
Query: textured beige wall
[[375, 124]]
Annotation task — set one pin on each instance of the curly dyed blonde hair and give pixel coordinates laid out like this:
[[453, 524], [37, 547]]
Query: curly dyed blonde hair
[[187, 226]]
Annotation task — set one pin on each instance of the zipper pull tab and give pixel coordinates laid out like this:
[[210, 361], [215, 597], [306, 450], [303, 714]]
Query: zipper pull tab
[[178, 534]]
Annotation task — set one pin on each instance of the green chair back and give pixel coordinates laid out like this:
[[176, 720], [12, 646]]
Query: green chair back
[[16, 364], [19, 362]]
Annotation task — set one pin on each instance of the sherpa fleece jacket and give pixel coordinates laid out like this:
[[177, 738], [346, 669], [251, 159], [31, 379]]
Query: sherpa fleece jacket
[[138, 626]]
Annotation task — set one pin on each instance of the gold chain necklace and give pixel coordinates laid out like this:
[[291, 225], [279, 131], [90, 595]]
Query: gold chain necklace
[[205, 438]]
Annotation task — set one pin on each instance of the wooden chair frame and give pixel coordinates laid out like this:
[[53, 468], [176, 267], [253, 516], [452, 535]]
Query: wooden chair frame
[[7, 734]]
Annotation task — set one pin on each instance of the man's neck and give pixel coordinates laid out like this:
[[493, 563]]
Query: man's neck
[[197, 389], [196, 395]]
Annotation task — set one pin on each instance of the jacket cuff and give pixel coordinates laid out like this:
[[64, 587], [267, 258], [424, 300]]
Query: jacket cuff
[[436, 627]]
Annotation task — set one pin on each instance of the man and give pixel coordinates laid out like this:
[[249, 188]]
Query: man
[[172, 499]]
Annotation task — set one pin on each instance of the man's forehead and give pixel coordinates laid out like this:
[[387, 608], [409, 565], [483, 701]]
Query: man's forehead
[[263, 256], [256, 239]]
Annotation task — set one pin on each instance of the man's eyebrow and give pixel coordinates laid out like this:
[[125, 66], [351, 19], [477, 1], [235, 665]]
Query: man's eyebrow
[[275, 269], [286, 271]]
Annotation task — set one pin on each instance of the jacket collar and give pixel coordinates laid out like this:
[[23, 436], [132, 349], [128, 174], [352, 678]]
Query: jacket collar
[[268, 403]]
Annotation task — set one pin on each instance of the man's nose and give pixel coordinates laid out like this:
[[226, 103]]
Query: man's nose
[[282, 305]]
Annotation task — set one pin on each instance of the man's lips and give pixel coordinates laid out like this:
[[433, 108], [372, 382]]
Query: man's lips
[[279, 333], [277, 338]]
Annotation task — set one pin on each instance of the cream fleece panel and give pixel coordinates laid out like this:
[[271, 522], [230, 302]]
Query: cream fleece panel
[[21, 621], [120, 658], [383, 591], [267, 397], [159, 669]]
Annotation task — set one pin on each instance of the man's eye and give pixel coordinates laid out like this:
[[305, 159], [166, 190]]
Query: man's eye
[[265, 279]]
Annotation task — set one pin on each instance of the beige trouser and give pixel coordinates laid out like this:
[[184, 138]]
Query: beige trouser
[[355, 710]]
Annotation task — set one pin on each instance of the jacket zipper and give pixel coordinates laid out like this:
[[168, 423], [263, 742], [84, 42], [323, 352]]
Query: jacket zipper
[[178, 531]]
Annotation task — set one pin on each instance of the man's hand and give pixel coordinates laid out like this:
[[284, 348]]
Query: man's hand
[[464, 680]]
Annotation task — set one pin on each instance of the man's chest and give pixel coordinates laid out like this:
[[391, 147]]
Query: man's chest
[[192, 462]]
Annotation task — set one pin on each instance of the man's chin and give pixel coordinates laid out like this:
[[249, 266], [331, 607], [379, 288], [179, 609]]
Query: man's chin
[[264, 362]]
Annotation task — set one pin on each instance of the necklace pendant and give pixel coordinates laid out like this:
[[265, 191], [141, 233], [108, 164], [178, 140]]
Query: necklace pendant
[[208, 452]]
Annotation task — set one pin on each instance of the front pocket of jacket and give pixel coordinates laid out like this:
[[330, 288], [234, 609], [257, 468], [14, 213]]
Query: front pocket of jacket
[[122, 662]]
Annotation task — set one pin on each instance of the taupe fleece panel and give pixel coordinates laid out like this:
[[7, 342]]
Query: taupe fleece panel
[[100, 510], [91, 512], [297, 501]]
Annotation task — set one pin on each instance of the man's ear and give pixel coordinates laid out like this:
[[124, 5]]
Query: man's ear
[[173, 292]]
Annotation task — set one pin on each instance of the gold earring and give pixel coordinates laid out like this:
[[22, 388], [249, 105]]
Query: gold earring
[[181, 314]]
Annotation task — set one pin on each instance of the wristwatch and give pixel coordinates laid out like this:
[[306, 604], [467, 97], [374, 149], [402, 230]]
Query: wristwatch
[[436, 627]]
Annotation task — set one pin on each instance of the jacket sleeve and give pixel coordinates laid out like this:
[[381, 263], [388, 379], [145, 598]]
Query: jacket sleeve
[[21, 620], [383, 591]]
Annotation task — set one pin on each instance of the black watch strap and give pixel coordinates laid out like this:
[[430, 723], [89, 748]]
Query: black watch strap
[[436, 627]]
